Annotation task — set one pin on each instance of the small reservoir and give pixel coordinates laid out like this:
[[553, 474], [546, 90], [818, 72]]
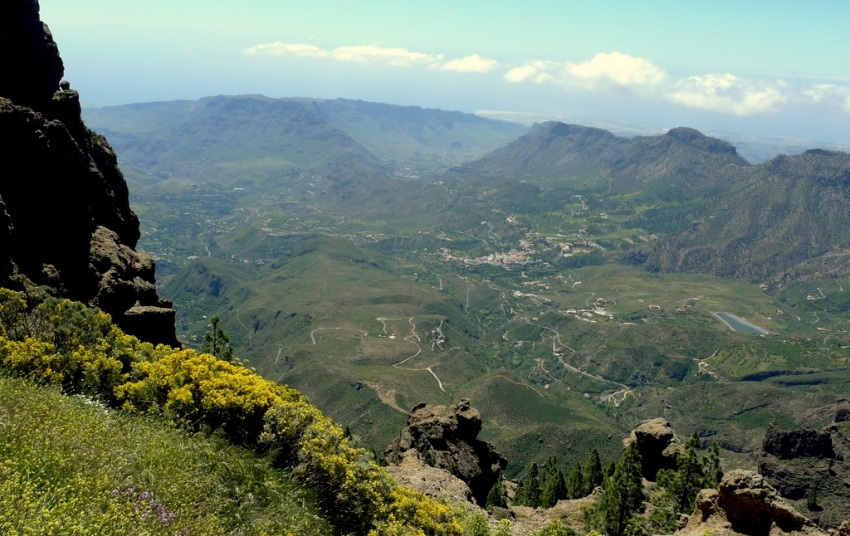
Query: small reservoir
[[741, 326]]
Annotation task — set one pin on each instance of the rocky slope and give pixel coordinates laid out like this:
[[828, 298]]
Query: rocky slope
[[65, 217]]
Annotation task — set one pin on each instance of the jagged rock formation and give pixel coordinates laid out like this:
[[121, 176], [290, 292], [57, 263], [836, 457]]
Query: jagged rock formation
[[801, 462], [657, 446], [746, 504], [446, 437], [65, 217]]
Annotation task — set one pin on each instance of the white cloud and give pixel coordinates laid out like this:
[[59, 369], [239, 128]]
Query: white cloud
[[828, 93], [544, 77], [470, 64], [279, 49], [394, 56], [399, 57], [536, 71], [617, 68], [729, 94], [519, 74]]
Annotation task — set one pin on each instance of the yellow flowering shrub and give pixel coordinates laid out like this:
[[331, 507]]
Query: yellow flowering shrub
[[201, 390], [63, 342], [411, 513]]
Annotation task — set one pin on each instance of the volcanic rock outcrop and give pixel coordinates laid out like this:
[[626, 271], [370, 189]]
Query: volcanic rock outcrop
[[446, 437], [746, 504], [810, 468], [657, 446], [65, 217]]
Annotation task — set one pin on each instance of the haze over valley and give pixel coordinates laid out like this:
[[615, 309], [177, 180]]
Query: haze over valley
[[556, 269], [564, 279]]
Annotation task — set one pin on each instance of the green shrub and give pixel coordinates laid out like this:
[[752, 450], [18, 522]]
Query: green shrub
[[61, 342]]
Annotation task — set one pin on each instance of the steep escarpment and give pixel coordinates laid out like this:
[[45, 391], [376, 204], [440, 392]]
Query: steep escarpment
[[810, 468], [65, 218]]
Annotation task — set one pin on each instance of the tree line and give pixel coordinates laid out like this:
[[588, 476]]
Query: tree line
[[623, 507]]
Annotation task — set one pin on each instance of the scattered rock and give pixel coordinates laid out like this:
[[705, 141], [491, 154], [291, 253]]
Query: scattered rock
[[657, 446], [446, 437]]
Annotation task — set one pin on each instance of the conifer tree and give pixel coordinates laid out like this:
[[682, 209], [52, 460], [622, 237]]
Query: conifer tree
[[711, 467], [533, 487], [521, 494], [592, 473], [812, 498], [217, 342], [554, 487], [610, 471], [575, 483], [622, 495], [496, 497], [687, 480]]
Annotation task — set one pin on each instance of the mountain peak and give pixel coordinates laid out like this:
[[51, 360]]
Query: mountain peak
[[563, 129], [698, 139]]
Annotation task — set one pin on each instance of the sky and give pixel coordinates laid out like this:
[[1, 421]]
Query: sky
[[765, 68]]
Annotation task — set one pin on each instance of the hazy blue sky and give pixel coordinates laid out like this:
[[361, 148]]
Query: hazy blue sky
[[774, 67]]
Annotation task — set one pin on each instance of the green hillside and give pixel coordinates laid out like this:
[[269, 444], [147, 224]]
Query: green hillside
[[787, 219], [414, 140], [267, 139], [260, 458], [541, 282], [74, 465]]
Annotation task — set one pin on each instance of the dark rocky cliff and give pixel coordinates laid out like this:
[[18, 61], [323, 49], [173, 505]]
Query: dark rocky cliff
[[803, 462], [65, 217]]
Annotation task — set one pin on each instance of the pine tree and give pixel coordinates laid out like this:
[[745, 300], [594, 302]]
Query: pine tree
[[622, 495], [592, 473], [217, 342], [683, 484], [812, 498], [521, 494], [533, 487], [554, 487], [610, 471], [711, 467], [575, 483], [496, 497]]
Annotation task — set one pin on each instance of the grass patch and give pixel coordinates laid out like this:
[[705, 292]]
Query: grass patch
[[69, 466]]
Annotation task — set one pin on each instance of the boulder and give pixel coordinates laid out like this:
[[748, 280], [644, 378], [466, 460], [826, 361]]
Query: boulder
[[657, 445], [446, 437]]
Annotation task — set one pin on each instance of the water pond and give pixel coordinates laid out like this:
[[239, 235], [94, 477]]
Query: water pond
[[741, 326]]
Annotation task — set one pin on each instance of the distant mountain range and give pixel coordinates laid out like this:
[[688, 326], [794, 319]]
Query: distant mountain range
[[781, 220], [337, 139]]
